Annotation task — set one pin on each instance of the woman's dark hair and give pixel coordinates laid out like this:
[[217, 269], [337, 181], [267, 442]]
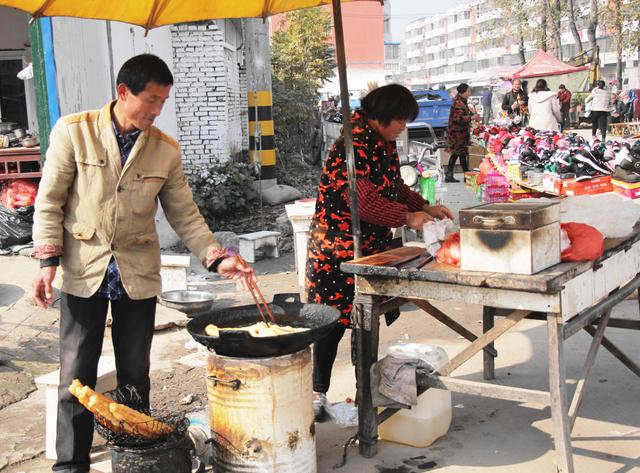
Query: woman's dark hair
[[541, 86], [390, 102], [462, 88], [600, 84], [141, 69]]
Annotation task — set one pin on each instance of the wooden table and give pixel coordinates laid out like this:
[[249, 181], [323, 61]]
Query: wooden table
[[570, 297]]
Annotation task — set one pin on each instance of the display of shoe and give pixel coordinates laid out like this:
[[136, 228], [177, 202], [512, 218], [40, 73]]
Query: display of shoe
[[319, 403], [625, 175], [584, 172], [586, 157]]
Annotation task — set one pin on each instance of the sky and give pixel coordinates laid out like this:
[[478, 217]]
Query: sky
[[405, 11]]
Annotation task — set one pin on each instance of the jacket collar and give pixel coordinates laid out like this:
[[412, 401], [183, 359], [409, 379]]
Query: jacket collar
[[108, 137]]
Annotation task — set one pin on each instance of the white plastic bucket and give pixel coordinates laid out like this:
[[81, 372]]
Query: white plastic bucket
[[430, 419]]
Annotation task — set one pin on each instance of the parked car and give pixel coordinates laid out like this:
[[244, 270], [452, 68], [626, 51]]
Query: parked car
[[434, 107]]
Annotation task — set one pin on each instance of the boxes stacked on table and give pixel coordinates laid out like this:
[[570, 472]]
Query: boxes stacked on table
[[627, 189], [520, 238]]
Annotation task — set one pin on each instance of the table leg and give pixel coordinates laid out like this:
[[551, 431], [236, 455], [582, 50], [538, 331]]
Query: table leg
[[367, 327], [558, 392], [488, 360]]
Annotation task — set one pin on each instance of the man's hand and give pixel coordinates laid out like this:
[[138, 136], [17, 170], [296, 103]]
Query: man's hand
[[516, 105], [438, 211], [237, 269], [42, 291], [416, 220]]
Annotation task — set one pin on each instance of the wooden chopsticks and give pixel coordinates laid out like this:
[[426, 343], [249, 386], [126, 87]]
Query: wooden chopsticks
[[253, 288]]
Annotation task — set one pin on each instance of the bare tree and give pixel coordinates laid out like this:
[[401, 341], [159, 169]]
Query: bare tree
[[573, 27], [554, 12], [543, 25], [591, 28], [516, 12]]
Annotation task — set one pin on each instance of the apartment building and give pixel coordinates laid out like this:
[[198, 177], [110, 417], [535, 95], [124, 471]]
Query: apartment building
[[471, 43]]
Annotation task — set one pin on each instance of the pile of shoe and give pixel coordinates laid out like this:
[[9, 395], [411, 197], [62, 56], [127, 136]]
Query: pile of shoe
[[627, 162], [567, 156]]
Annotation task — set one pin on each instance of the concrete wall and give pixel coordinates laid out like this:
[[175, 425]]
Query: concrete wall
[[13, 25]]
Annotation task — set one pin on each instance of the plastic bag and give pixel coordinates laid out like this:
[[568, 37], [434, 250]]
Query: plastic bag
[[611, 214], [18, 193], [344, 414], [435, 232], [15, 226], [587, 243], [449, 253]]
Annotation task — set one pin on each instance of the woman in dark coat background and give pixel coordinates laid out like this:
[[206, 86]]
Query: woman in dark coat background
[[384, 202], [458, 131]]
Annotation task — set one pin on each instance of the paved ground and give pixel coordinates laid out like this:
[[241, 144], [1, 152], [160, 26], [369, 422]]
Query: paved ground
[[486, 434]]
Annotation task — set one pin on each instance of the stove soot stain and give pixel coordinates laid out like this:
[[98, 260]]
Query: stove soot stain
[[494, 240]]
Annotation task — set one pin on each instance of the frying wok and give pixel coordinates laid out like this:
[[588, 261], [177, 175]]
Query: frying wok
[[287, 310]]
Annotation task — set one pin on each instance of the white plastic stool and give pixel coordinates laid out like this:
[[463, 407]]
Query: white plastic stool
[[106, 382], [266, 241]]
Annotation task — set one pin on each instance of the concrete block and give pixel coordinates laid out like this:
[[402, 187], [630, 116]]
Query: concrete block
[[266, 241]]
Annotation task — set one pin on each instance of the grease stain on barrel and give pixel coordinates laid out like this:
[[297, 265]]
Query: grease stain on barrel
[[293, 440]]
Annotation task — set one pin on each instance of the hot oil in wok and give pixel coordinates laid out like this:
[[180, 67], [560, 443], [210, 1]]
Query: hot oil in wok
[[259, 329]]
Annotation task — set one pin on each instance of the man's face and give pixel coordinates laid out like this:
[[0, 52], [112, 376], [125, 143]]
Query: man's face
[[516, 85], [141, 110]]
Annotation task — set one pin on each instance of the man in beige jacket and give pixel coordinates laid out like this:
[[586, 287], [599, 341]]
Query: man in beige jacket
[[104, 174]]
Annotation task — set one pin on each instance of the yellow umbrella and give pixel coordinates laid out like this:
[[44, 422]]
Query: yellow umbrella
[[153, 13]]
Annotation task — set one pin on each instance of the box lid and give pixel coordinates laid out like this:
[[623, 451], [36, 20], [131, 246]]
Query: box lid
[[510, 216]]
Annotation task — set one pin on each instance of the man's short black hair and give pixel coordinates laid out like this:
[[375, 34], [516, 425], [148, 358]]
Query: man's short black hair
[[561, 86], [142, 69], [390, 102]]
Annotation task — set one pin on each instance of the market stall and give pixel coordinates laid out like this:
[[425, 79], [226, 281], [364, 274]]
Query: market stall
[[570, 297]]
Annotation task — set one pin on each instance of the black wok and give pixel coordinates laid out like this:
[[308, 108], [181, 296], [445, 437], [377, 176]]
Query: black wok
[[287, 310]]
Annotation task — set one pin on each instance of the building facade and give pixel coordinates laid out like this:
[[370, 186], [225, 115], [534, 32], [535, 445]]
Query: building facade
[[472, 43]]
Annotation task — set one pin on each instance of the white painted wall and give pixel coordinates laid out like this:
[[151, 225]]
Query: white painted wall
[[82, 64], [13, 29]]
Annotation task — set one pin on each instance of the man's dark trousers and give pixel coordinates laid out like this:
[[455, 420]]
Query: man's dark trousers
[[82, 324]]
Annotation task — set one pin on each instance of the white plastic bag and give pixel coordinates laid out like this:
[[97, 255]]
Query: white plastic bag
[[613, 215], [434, 233], [344, 414]]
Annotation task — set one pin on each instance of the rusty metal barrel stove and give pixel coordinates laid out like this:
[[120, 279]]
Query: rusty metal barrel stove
[[261, 413]]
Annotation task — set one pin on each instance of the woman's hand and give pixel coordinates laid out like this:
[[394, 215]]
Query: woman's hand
[[416, 220], [438, 211]]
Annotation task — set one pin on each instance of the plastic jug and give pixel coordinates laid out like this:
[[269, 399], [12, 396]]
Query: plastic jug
[[430, 419]]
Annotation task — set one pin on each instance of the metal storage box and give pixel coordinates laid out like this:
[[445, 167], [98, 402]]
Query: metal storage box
[[520, 238]]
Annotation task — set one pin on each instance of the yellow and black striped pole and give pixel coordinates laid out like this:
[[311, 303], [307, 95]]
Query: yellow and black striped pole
[[262, 143]]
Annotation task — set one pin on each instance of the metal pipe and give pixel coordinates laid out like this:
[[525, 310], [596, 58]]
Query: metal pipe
[[346, 127]]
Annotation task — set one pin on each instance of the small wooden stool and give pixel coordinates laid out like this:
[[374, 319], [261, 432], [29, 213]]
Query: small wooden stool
[[265, 241], [106, 382]]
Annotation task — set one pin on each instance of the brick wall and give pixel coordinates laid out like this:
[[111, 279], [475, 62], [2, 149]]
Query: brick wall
[[208, 95]]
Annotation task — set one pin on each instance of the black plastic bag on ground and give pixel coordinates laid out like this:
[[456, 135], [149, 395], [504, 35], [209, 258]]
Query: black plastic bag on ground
[[15, 226]]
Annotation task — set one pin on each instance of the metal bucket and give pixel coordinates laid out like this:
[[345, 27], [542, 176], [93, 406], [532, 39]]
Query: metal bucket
[[261, 413], [169, 457]]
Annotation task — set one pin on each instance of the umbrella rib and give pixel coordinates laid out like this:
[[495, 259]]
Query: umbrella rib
[[155, 9], [266, 9], [40, 11]]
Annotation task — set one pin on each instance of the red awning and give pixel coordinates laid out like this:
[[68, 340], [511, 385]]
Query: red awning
[[544, 64]]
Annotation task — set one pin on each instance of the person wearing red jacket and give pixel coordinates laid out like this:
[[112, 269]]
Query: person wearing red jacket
[[384, 202], [564, 96]]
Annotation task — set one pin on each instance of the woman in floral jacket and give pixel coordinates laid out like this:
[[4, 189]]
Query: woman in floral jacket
[[458, 131], [384, 202]]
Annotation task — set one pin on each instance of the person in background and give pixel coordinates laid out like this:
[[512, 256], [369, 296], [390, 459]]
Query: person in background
[[564, 96], [599, 101], [105, 172], [459, 131], [384, 202], [618, 109], [515, 103], [544, 108], [486, 105]]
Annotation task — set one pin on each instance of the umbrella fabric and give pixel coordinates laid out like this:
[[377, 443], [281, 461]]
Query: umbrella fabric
[[153, 13]]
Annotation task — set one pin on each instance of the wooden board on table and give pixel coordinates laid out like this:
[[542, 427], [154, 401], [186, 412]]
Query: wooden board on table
[[551, 280]]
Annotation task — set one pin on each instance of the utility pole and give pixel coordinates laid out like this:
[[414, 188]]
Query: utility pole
[[262, 146]]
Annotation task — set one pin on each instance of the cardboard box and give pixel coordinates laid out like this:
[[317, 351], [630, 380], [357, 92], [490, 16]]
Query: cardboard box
[[553, 184], [627, 189], [597, 185]]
